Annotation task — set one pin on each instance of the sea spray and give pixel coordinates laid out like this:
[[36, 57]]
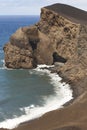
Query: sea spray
[[63, 94]]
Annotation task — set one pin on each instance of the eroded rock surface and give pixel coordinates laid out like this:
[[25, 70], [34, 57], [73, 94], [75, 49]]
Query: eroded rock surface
[[55, 32]]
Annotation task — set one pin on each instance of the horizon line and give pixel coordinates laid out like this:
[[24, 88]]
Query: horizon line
[[19, 15]]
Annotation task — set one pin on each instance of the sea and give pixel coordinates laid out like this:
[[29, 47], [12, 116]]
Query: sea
[[27, 94]]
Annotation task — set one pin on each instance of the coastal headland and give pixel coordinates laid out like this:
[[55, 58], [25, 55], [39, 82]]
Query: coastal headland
[[59, 37]]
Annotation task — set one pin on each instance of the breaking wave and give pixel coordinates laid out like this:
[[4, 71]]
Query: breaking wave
[[63, 94]]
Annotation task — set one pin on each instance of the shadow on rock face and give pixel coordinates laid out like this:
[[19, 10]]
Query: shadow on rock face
[[58, 58], [69, 128]]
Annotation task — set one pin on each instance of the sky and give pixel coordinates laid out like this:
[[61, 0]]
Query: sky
[[32, 7]]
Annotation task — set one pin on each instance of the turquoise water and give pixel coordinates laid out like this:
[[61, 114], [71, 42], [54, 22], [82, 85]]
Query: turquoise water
[[26, 94]]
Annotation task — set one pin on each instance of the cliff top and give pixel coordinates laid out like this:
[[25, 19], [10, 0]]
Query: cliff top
[[73, 14]]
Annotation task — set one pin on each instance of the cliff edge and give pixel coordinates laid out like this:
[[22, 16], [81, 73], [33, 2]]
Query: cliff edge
[[59, 36]]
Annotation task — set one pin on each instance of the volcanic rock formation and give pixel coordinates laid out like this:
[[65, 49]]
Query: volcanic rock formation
[[61, 29], [60, 36]]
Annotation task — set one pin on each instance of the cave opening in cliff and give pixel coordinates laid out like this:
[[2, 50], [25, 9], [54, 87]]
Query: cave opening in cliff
[[33, 44], [58, 58]]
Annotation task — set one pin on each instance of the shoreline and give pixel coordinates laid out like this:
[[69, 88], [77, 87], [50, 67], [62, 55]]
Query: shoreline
[[50, 75], [62, 118], [67, 104], [66, 33], [75, 87]]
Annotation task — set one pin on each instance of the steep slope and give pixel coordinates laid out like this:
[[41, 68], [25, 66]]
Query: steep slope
[[61, 29]]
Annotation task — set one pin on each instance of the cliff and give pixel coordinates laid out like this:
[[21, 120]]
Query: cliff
[[62, 30], [59, 38]]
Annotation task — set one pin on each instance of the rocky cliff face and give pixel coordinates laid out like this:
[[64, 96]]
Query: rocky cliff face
[[55, 32]]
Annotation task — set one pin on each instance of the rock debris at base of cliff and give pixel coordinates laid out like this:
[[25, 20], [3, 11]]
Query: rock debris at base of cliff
[[59, 30]]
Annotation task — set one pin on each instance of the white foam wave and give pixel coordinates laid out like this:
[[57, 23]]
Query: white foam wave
[[63, 94], [5, 68], [41, 70], [3, 65], [3, 61]]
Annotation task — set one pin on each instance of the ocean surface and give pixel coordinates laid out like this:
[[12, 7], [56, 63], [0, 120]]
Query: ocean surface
[[26, 94]]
